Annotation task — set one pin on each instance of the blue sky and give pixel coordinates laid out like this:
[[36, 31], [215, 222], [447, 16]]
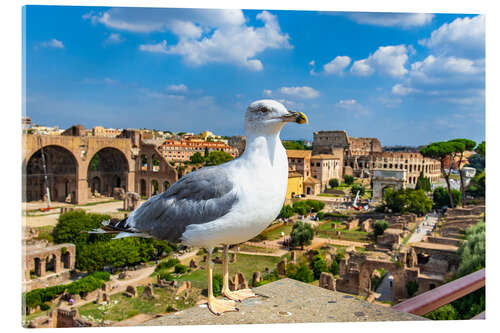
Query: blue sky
[[405, 78]]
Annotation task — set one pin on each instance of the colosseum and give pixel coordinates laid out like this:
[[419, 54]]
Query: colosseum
[[362, 155]]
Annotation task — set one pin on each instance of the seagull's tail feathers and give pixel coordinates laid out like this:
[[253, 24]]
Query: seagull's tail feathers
[[118, 227]]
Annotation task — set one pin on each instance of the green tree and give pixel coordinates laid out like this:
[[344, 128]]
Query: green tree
[[318, 265], [423, 183], [197, 158], [334, 267], [440, 197], [286, 212], [303, 274], [411, 288], [302, 234], [206, 153], [477, 188], [477, 162], [295, 145], [407, 201], [446, 312], [481, 149], [444, 151], [466, 145], [348, 179], [334, 182], [217, 157], [472, 258], [358, 187], [379, 227]]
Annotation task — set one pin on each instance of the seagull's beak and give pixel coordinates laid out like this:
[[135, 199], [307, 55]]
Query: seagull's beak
[[295, 117]]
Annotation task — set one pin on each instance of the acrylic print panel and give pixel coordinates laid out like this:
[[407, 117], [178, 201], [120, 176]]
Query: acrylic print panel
[[209, 166]]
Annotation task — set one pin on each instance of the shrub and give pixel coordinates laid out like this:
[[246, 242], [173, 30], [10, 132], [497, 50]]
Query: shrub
[[334, 182], [411, 288], [441, 198], [167, 264], [320, 215], [44, 306], [318, 265], [303, 274], [180, 269], [446, 312], [358, 187], [334, 267], [70, 225], [348, 179], [379, 227], [166, 276], [217, 284]]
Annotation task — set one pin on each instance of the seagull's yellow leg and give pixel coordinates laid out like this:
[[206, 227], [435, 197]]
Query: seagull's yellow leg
[[216, 306], [237, 295]]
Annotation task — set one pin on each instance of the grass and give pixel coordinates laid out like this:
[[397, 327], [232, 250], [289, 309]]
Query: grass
[[122, 307], [275, 233], [330, 195], [45, 232], [325, 230], [258, 249], [245, 263]]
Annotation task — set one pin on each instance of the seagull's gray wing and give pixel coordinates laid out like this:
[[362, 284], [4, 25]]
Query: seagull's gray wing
[[198, 197]]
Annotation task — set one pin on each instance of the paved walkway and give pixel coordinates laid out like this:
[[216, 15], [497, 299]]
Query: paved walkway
[[422, 229], [385, 291]]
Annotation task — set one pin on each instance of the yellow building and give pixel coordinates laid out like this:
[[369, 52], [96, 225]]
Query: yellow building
[[295, 187]]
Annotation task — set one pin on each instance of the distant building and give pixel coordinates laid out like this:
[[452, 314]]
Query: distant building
[[182, 150], [106, 132], [361, 155], [325, 167], [238, 142], [295, 184]]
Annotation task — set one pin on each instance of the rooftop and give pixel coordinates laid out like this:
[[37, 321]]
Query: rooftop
[[292, 153], [289, 301]]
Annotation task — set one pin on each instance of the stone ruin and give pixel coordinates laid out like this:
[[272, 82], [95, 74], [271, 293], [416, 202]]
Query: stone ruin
[[61, 317], [282, 267], [256, 278], [131, 201], [149, 292], [192, 264], [391, 238], [185, 286], [131, 291], [238, 282], [118, 193], [327, 281]]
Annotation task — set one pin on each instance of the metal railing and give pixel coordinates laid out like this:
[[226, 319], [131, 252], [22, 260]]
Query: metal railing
[[435, 298]]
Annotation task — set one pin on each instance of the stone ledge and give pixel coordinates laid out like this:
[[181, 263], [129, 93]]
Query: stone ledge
[[288, 301]]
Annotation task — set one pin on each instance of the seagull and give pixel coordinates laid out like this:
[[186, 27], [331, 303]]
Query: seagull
[[225, 204]]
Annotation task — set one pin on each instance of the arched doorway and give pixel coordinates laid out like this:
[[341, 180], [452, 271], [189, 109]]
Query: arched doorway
[[166, 185], [142, 188], [154, 187], [66, 259], [61, 170], [107, 169], [382, 284], [50, 263]]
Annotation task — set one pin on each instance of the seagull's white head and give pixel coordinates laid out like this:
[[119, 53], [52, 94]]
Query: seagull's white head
[[268, 116]]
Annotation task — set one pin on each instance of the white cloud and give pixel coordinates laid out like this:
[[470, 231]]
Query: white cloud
[[387, 60], [399, 89], [337, 65], [300, 92], [177, 88], [155, 48], [53, 43], [312, 63], [204, 36], [352, 105], [291, 104], [404, 20], [267, 92], [114, 38], [450, 70], [463, 37]]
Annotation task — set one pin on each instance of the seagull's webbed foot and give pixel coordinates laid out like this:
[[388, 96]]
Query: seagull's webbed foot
[[219, 306], [238, 295]]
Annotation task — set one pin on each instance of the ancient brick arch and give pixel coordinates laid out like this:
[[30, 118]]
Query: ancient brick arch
[[394, 268], [54, 259], [153, 172], [107, 169], [81, 149]]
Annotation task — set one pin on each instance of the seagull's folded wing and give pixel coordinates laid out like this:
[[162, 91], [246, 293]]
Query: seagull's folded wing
[[198, 197]]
